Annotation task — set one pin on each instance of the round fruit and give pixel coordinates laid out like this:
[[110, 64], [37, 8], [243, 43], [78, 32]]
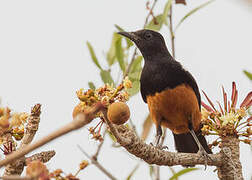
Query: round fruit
[[118, 113]]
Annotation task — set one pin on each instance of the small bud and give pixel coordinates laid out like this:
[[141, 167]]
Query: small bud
[[71, 177], [57, 172], [249, 131], [127, 83], [83, 164], [247, 141], [118, 113]]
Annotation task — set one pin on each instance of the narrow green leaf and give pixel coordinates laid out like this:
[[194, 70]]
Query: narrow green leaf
[[93, 56], [173, 172], [119, 28], [132, 172], [135, 88], [183, 171], [111, 54], [136, 65], [91, 85], [106, 77], [129, 42], [120, 54], [166, 11], [151, 170], [156, 23], [248, 74], [192, 12], [136, 68]]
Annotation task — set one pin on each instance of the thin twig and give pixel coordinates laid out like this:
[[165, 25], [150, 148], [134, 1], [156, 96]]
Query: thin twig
[[97, 164], [172, 33], [130, 64], [99, 147], [150, 12], [16, 177], [135, 50], [79, 121]]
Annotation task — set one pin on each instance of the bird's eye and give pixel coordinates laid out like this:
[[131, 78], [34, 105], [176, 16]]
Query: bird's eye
[[148, 36]]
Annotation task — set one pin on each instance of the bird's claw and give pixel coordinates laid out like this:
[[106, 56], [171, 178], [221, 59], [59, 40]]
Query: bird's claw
[[159, 146], [205, 155]]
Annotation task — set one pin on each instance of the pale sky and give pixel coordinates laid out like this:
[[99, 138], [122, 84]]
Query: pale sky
[[44, 59]]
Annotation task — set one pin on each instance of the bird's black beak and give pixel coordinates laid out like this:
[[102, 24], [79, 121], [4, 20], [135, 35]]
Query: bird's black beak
[[131, 35]]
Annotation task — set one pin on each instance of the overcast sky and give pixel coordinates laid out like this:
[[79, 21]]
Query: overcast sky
[[44, 59]]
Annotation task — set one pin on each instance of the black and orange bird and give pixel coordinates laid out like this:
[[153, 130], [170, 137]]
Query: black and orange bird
[[171, 93]]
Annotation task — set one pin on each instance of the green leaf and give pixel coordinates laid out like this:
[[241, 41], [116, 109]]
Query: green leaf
[[192, 12], [129, 42], [112, 137], [151, 170], [111, 54], [136, 65], [173, 172], [156, 23], [181, 172], [132, 172], [93, 56], [248, 74], [106, 77], [166, 10], [135, 88], [91, 85], [120, 54], [119, 28], [136, 68]]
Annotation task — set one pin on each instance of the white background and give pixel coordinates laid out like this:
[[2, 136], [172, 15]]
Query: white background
[[44, 59]]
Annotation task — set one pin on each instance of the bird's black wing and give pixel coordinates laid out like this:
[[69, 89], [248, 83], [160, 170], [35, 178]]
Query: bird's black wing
[[165, 74]]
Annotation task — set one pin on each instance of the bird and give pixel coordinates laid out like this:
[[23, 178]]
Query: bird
[[171, 93]]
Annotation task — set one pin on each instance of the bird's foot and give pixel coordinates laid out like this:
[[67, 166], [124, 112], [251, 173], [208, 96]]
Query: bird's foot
[[205, 155], [159, 146]]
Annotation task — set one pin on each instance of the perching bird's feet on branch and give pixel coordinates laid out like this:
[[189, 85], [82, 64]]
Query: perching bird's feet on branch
[[157, 143], [205, 155]]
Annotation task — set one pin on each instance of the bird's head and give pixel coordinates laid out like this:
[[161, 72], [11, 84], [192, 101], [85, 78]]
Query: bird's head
[[150, 43]]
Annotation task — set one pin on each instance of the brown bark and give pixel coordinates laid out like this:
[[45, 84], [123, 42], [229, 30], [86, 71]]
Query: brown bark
[[231, 168]]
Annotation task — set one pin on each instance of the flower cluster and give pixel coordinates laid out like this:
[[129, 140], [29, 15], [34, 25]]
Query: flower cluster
[[12, 122], [107, 95], [228, 120]]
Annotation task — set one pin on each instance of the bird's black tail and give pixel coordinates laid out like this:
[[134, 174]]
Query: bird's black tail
[[185, 142]]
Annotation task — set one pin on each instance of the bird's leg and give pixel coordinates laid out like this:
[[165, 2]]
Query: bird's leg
[[201, 149], [158, 135]]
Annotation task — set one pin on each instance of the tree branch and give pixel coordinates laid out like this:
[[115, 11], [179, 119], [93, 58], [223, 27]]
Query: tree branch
[[79, 121], [232, 168], [152, 155], [97, 164], [16, 177], [42, 156], [17, 167]]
